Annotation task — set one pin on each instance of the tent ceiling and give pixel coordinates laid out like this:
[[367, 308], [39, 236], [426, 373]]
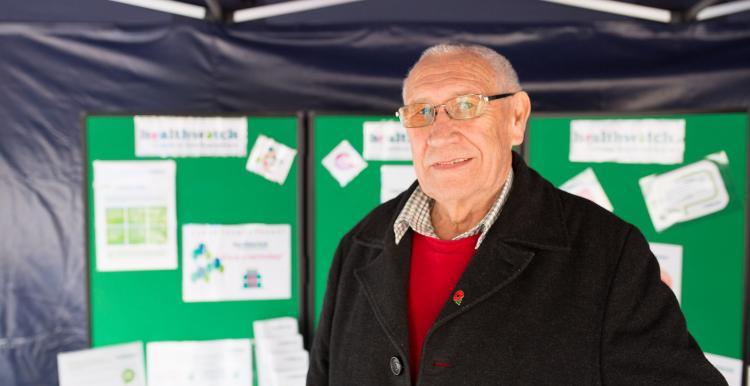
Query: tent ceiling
[[369, 11]]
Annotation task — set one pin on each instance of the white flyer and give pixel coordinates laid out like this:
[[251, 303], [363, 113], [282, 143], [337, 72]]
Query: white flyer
[[684, 194], [236, 262], [281, 358], [115, 365], [629, 141], [669, 257], [394, 179], [344, 163], [271, 159], [226, 362], [172, 136], [586, 185], [135, 215], [385, 141], [730, 368]]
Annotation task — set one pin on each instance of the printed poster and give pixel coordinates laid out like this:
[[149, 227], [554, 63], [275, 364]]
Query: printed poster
[[171, 136], [669, 257], [236, 262], [225, 362], [344, 163], [385, 141], [684, 194], [270, 159], [586, 185], [116, 365], [628, 141], [135, 215], [394, 179]]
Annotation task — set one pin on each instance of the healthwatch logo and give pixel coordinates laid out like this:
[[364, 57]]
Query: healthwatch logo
[[172, 134], [190, 136], [639, 141]]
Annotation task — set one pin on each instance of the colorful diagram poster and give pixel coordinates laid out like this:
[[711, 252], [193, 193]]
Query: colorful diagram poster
[[236, 262], [134, 214]]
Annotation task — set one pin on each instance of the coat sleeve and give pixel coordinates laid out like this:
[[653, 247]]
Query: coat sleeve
[[317, 374], [645, 340]]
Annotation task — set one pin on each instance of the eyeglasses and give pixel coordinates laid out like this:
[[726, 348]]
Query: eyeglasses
[[461, 107]]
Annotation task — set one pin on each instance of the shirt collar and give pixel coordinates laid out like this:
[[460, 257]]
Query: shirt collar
[[416, 215]]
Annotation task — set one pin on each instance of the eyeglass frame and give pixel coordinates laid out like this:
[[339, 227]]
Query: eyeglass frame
[[484, 98]]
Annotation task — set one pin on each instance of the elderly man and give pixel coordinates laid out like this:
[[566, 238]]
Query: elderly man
[[484, 273]]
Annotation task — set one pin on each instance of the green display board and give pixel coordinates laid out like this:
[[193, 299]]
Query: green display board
[[335, 209], [147, 306], [714, 263]]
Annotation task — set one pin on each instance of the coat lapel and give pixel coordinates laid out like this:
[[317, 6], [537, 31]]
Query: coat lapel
[[491, 269], [530, 220], [385, 282]]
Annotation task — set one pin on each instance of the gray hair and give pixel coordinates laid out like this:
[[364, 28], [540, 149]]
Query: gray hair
[[505, 75]]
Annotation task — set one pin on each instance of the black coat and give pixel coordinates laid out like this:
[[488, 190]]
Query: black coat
[[561, 292]]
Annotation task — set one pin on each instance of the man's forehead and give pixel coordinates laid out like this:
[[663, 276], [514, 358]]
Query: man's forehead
[[449, 75]]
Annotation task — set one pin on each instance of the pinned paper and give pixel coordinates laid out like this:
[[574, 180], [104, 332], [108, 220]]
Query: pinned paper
[[385, 141], [684, 194], [168, 136], [226, 362], [236, 262], [282, 360], [344, 163], [586, 185], [630, 141], [271, 159], [116, 365], [730, 368], [669, 257], [135, 215], [394, 179]]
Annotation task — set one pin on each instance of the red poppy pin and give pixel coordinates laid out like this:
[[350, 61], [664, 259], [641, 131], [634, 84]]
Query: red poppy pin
[[458, 297]]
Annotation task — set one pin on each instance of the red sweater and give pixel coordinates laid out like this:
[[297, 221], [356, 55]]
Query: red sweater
[[436, 266]]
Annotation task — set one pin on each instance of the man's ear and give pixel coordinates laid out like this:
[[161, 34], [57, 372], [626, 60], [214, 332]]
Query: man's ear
[[521, 110]]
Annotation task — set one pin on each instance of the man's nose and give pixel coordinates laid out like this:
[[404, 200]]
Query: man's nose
[[443, 130]]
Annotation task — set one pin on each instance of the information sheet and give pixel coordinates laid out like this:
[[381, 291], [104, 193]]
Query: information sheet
[[135, 215], [236, 262]]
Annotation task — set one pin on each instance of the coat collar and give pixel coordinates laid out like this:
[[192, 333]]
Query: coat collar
[[530, 220]]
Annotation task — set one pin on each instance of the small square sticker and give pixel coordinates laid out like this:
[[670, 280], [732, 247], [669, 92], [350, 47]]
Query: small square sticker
[[271, 159], [344, 163]]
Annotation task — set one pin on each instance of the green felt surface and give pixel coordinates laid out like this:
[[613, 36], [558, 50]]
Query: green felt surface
[[713, 281]]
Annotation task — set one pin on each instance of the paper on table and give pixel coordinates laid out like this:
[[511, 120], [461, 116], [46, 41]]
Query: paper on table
[[344, 163], [135, 215], [385, 141], [684, 194], [226, 362], [116, 365], [633, 141], [281, 359], [394, 179], [586, 185], [271, 159], [730, 368], [170, 136], [275, 327], [236, 262], [670, 263]]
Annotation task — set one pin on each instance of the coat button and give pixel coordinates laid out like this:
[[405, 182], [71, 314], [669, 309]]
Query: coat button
[[396, 366]]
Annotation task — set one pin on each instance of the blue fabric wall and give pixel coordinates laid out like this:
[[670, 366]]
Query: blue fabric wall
[[53, 73]]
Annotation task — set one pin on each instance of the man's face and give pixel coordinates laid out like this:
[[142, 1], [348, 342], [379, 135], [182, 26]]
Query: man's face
[[456, 160]]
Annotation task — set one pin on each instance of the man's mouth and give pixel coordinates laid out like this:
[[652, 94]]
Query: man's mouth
[[451, 163]]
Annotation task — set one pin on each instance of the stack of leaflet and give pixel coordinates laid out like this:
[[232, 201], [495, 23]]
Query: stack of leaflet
[[281, 357]]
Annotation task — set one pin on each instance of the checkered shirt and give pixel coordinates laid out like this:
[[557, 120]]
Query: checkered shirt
[[416, 215]]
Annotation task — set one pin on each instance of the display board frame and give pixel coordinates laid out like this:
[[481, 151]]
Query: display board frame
[[528, 154], [299, 262]]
